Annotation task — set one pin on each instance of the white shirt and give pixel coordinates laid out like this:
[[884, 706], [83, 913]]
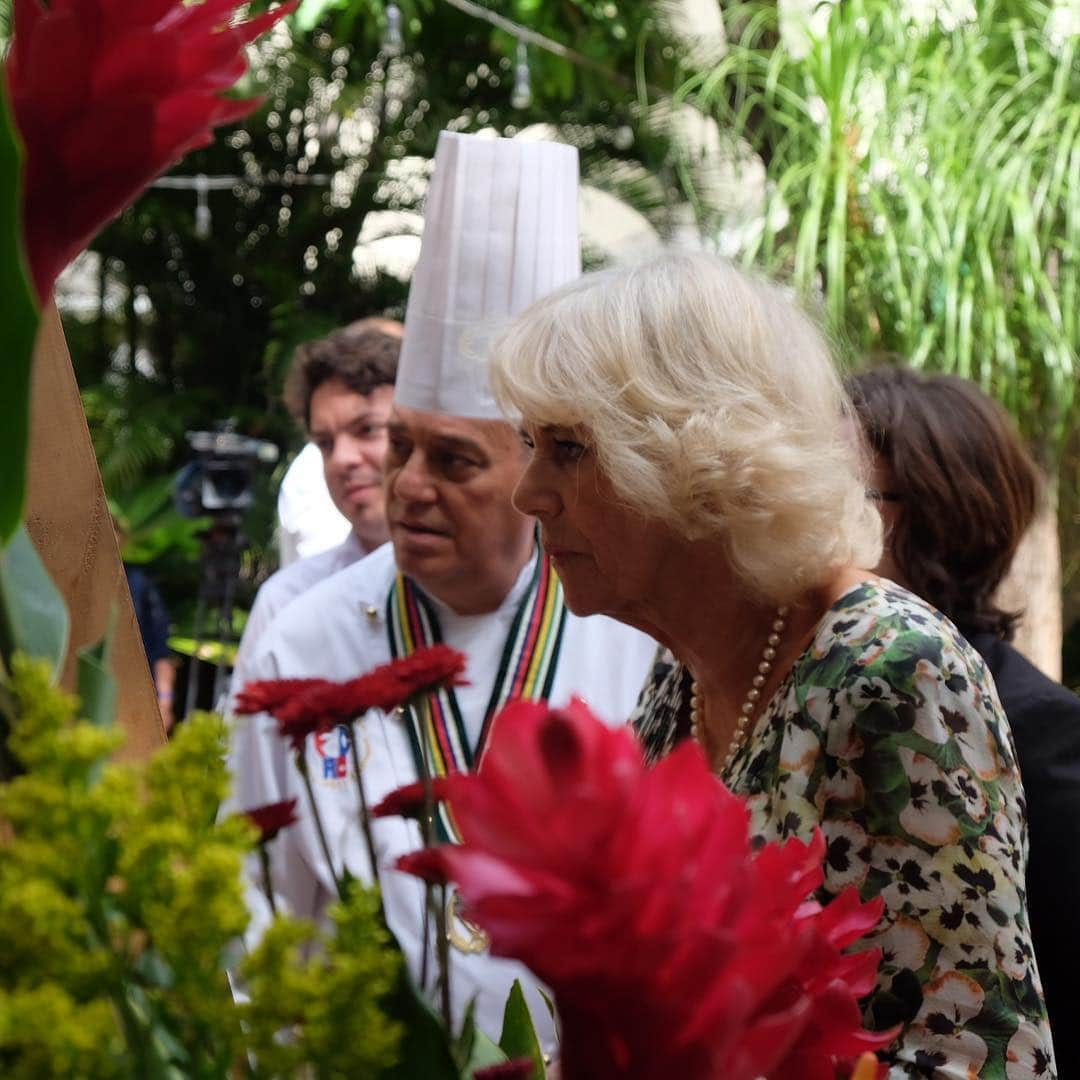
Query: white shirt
[[308, 520], [280, 589], [338, 630]]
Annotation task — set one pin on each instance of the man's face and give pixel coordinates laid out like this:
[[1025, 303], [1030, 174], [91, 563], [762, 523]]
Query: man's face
[[448, 487], [350, 431]]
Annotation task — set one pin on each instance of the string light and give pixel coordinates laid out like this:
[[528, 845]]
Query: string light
[[393, 42], [203, 221], [521, 97]]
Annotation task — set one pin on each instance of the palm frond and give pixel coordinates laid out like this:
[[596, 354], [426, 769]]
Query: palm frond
[[925, 182]]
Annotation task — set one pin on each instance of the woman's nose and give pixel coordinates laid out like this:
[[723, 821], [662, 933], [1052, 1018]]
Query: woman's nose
[[533, 497]]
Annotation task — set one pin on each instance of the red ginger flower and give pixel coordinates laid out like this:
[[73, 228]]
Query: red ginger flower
[[671, 947], [272, 818], [108, 94], [305, 706]]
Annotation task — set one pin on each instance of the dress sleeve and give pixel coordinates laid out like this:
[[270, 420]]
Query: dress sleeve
[[905, 761]]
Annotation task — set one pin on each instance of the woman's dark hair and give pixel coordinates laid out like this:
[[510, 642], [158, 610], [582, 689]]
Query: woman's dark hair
[[363, 355], [967, 488]]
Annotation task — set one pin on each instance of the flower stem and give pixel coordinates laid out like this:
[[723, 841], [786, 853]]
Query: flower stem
[[268, 886], [301, 764], [365, 816], [427, 828], [442, 941], [425, 931]]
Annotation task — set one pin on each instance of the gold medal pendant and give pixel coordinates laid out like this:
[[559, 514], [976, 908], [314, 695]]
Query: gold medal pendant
[[465, 936]]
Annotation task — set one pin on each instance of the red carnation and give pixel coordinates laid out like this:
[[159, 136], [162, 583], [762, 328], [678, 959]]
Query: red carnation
[[266, 695], [108, 94], [407, 801], [272, 818], [671, 947], [306, 706], [325, 703]]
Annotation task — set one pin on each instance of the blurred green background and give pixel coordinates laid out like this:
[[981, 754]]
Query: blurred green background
[[913, 167]]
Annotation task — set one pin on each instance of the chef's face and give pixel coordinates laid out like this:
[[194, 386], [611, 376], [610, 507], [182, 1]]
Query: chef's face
[[449, 482]]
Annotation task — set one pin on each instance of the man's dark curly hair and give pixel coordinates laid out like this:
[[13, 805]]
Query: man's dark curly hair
[[363, 355], [966, 486]]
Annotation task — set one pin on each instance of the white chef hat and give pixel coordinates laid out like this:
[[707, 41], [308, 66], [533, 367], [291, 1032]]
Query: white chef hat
[[500, 231]]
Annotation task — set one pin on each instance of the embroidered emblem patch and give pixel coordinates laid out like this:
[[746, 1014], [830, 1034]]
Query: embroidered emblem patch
[[333, 748]]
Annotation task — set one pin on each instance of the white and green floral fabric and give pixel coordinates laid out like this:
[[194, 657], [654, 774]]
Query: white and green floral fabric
[[888, 734]]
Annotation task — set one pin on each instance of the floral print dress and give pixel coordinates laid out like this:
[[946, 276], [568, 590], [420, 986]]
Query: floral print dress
[[888, 734]]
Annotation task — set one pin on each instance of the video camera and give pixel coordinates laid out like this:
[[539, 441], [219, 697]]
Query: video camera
[[221, 480]]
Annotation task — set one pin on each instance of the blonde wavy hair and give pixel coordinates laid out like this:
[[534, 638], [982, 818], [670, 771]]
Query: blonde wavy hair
[[711, 402]]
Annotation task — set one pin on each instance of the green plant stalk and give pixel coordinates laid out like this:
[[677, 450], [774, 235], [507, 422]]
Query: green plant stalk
[[434, 911], [20, 316], [365, 815], [443, 953], [267, 881], [301, 764]]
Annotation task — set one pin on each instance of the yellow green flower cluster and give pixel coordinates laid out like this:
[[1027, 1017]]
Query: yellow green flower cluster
[[121, 904]]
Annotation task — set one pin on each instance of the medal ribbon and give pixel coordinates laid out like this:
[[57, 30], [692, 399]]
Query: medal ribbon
[[526, 670]]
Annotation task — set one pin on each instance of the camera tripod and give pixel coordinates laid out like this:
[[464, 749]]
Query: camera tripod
[[223, 544]]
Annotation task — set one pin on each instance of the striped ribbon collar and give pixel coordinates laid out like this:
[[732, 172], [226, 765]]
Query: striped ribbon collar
[[526, 670]]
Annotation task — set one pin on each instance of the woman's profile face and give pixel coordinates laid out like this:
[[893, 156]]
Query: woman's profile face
[[606, 555]]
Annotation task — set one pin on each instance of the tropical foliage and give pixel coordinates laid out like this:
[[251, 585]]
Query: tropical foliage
[[189, 306], [921, 167], [917, 166]]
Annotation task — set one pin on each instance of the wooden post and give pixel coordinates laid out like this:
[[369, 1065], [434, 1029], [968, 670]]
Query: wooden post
[[69, 522], [1033, 586]]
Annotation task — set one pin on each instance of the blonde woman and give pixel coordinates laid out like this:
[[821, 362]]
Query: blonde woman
[[695, 475]]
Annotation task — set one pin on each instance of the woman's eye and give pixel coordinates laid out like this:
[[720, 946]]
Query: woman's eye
[[568, 450], [526, 441]]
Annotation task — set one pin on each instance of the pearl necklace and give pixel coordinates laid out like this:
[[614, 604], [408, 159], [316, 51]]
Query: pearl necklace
[[753, 695]]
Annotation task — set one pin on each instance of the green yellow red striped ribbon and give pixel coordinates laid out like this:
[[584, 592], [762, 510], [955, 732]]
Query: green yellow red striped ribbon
[[526, 670]]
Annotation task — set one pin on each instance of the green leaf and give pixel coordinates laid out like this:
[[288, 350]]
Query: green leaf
[[213, 652], [96, 685], [474, 1049], [519, 1038], [311, 12], [33, 615], [425, 1052], [484, 1053], [19, 317]]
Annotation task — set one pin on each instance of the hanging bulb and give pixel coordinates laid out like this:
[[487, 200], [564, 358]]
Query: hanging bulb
[[521, 97], [392, 40], [202, 207]]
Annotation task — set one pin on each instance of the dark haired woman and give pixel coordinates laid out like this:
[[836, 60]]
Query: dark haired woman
[[957, 490]]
